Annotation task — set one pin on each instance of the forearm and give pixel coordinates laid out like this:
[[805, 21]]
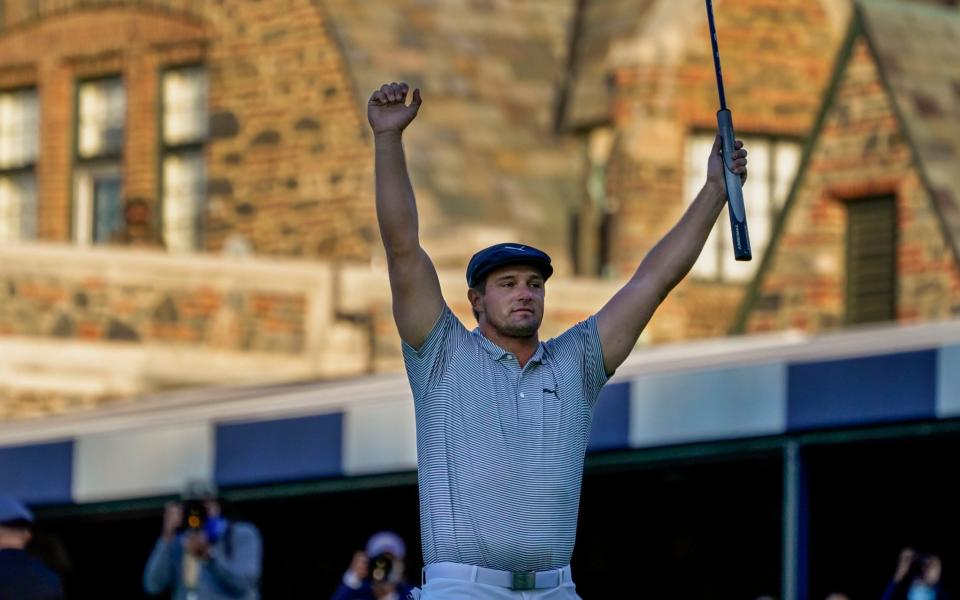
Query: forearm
[[675, 254], [158, 574], [396, 203], [236, 578]]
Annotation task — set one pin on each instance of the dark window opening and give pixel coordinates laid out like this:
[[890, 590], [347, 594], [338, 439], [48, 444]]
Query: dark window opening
[[871, 260]]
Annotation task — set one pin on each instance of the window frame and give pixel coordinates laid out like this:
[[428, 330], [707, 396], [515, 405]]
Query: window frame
[[27, 167], [165, 149], [82, 217], [848, 300], [724, 248]]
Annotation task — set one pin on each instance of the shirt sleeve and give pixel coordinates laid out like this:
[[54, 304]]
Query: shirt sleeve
[[240, 572], [425, 365], [159, 572], [578, 350]]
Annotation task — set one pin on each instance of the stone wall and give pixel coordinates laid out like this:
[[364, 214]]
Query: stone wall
[[777, 56], [861, 152], [84, 327], [288, 168]]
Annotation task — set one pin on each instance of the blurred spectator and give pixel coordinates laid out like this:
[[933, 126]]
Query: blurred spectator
[[22, 577], [838, 596], [138, 229], [377, 573], [917, 578], [201, 555]]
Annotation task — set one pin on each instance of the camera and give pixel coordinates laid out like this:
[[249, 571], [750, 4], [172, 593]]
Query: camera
[[194, 515], [381, 567]]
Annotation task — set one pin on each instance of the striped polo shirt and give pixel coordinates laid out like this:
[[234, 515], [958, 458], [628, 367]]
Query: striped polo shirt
[[500, 449]]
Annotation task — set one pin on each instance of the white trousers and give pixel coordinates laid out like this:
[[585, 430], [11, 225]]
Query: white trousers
[[460, 582], [455, 589]]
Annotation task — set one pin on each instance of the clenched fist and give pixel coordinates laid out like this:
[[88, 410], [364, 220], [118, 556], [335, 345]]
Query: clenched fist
[[387, 110]]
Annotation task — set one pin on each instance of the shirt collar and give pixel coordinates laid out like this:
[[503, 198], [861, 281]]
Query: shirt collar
[[499, 353]]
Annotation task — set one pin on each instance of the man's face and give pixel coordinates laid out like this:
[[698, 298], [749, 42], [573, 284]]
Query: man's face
[[14, 537], [512, 302]]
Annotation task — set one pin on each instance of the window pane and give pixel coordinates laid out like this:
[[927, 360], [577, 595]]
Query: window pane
[[786, 162], [102, 106], [18, 207], [773, 165], [107, 208], [184, 105], [706, 265], [18, 128], [183, 199]]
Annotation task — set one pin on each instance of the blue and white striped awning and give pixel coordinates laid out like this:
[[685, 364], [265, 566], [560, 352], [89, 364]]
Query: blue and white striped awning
[[724, 389]]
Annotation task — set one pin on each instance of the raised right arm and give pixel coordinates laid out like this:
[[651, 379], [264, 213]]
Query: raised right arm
[[417, 301]]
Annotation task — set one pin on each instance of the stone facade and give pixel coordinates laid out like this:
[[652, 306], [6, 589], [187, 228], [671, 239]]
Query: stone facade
[[864, 148], [525, 102], [84, 327], [484, 156], [287, 166], [661, 88]]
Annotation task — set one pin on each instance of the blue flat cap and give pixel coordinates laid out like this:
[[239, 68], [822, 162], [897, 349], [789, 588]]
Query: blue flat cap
[[12, 510], [501, 255], [386, 541]]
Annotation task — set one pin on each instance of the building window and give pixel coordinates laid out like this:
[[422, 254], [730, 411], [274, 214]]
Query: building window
[[592, 224], [98, 186], [773, 165], [19, 127], [184, 102], [871, 260]]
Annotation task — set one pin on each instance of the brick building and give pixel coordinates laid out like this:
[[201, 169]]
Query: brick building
[[185, 187], [643, 94], [870, 231], [232, 121], [234, 323]]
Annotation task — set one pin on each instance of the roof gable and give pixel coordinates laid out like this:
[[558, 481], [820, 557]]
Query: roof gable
[[917, 49], [919, 93]]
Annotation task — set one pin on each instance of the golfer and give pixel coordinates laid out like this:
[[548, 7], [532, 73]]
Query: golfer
[[502, 417]]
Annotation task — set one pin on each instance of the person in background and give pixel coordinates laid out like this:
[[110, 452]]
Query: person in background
[[377, 573], [22, 577], [139, 229], [201, 555], [917, 578]]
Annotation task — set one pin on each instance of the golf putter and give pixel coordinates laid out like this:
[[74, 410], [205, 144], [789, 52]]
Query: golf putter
[[735, 207]]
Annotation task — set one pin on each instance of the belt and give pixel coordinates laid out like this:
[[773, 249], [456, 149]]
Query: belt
[[514, 580]]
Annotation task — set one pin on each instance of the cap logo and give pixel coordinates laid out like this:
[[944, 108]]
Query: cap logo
[[521, 248]]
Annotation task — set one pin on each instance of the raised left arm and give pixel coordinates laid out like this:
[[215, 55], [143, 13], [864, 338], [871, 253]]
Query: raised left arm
[[625, 315]]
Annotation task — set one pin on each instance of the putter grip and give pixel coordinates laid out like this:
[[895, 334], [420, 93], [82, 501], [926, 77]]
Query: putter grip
[[735, 207]]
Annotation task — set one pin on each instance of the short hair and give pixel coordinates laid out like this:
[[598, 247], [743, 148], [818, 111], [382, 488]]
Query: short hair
[[480, 288]]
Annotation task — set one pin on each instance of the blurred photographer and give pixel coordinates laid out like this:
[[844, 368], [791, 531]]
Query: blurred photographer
[[201, 555], [377, 573], [22, 576], [917, 578]]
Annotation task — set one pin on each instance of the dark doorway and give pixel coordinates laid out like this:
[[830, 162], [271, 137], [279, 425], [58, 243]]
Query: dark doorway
[[707, 531], [308, 541], [869, 501]]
